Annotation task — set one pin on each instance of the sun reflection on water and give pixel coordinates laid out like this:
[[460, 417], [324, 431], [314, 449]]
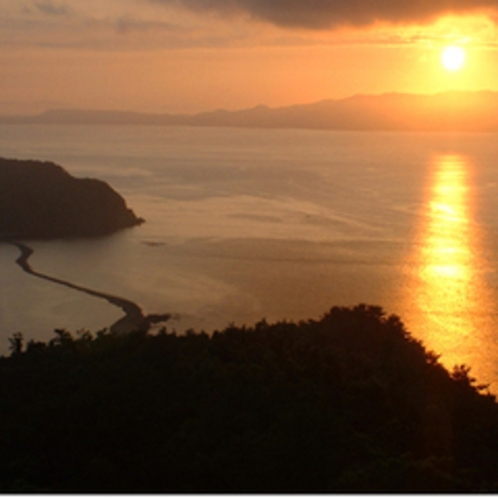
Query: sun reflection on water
[[449, 304], [446, 253]]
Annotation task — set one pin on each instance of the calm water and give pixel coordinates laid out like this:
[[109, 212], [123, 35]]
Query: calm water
[[246, 224]]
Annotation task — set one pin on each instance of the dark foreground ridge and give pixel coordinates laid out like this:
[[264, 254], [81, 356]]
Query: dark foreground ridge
[[41, 200], [134, 319], [347, 403]]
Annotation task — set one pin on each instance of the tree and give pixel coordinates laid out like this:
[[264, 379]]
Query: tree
[[16, 343]]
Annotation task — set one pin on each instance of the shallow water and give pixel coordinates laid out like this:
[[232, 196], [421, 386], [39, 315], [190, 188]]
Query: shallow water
[[246, 224]]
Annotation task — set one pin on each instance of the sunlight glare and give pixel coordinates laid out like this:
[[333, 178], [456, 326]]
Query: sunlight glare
[[448, 298], [453, 58]]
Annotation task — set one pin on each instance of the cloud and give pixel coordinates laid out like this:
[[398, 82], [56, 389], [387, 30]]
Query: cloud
[[321, 14], [126, 25], [50, 9]]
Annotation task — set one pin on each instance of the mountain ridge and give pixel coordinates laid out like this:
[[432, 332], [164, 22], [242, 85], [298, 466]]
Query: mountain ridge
[[394, 111]]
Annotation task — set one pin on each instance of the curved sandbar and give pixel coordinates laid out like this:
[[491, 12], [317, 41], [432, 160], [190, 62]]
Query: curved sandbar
[[40, 200], [134, 319]]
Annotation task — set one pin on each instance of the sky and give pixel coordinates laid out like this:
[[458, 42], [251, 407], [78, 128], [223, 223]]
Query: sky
[[187, 56]]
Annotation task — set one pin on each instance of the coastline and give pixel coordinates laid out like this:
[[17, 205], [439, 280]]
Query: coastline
[[134, 319]]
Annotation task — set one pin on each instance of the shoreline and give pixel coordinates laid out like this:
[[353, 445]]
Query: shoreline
[[134, 319]]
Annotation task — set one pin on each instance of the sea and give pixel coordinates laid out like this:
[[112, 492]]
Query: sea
[[250, 224]]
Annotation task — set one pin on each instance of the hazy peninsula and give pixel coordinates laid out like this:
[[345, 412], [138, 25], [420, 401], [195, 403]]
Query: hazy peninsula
[[41, 200], [446, 111]]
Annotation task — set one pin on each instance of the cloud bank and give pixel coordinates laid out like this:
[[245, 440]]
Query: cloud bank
[[321, 14]]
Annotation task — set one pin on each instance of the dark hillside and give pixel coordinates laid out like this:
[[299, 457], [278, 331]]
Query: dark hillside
[[347, 403], [41, 200]]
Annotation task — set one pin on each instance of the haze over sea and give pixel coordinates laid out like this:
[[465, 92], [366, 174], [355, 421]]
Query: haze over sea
[[276, 224]]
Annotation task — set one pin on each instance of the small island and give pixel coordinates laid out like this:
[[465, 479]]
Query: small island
[[40, 200]]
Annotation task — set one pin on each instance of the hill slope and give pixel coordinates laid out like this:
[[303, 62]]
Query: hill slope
[[350, 402], [41, 200]]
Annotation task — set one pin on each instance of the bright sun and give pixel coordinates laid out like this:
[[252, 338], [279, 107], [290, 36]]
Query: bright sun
[[453, 58]]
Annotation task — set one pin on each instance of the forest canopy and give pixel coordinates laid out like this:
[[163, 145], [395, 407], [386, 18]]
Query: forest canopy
[[347, 403]]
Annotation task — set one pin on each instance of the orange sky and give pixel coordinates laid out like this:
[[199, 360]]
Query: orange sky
[[194, 55]]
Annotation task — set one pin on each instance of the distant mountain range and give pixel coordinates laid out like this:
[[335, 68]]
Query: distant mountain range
[[449, 111]]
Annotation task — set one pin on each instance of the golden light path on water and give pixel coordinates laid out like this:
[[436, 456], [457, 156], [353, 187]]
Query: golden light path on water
[[449, 304]]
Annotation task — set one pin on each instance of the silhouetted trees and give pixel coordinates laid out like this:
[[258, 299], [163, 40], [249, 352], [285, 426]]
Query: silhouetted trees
[[350, 402]]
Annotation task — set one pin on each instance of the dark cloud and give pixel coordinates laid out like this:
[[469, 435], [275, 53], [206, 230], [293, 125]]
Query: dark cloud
[[51, 9], [127, 25], [319, 14]]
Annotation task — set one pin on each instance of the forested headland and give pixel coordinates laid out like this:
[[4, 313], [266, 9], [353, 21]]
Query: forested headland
[[41, 200], [347, 403]]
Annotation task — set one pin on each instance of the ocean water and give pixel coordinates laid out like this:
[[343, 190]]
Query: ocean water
[[276, 224]]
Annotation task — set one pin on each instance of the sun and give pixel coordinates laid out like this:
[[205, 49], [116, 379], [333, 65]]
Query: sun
[[453, 58]]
